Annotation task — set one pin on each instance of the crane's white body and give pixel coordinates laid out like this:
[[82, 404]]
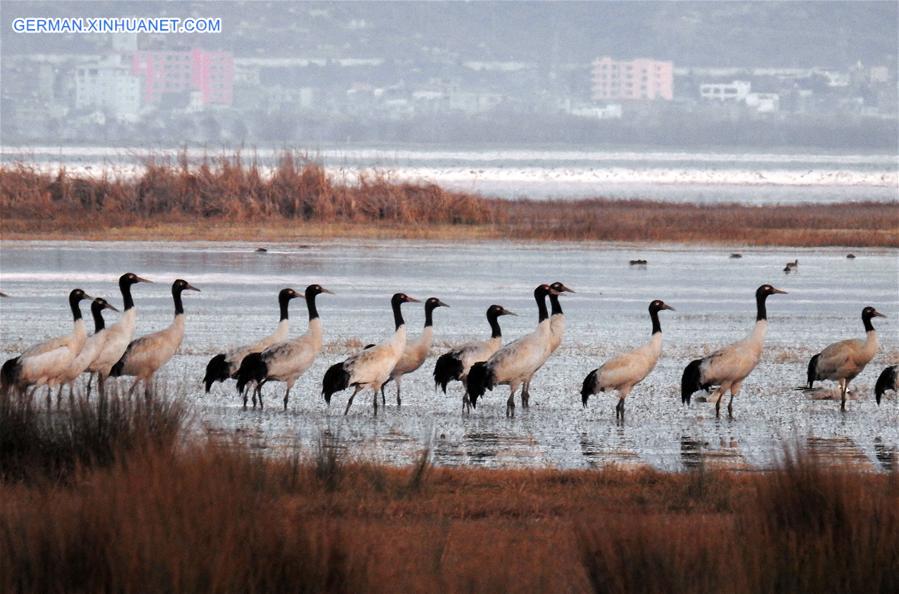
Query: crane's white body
[[118, 337]]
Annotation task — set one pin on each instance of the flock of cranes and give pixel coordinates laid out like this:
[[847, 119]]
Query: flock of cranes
[[479, 366]]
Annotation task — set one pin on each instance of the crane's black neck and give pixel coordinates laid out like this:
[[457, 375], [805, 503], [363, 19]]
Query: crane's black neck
[[97, 312], [493, 319], [310, 305], [761, 312], [396, 304], [556, 306], [125, 287], [73, 304], [176, 296], [866, 320], [283, 303], [540, 298], [654, 316], [429, 314]]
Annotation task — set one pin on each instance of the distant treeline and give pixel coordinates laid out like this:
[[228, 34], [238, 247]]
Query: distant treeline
[[299, 199]]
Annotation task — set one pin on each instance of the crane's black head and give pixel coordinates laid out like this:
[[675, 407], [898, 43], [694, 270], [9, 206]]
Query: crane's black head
[[542, 291], [658, 305], [129, 278], [400, 298], [869, 312], [432, 303], [285, 295], [764, 291], [495, 311], [313, 290], [77, 295], [560, 288], [100, 304], [182, 285]]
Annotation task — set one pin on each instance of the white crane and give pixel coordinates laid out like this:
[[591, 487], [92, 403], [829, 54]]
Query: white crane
[[625, 371], [146, 355], [119, 335], [456, 364], [729, 366], [224, 366], [370, 367], [42, 363], [284, 361], [517, 361], [557, 332], [842, 361], [886, 382], [91, 349], [416, 351]]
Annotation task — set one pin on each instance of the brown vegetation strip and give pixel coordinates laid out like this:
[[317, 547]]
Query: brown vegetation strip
[[218, 518], [227, 199]]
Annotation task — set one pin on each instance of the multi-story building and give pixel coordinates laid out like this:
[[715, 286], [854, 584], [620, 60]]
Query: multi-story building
[[634, 80], [108, 85], [208, 74], [732, 91]]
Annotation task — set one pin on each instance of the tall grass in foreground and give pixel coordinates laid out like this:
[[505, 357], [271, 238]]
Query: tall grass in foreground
[[228, 198], [216, 517]]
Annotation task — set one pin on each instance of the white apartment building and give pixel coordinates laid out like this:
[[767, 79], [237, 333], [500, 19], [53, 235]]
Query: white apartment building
[[110, 86]]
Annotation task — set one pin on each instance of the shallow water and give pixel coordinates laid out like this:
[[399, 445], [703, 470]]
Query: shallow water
[[713, 295]]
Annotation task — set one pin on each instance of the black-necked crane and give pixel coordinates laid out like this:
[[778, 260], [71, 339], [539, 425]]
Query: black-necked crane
[[886, 382], [91, 349], [284, 361], [416, 351], [224, 366], [456, 364], [370, 367], [727, 367], [557, 332], [791, 266], [42, 363], [119, 335], [625, 371], [517, 361], [146, 355], [843, 360]]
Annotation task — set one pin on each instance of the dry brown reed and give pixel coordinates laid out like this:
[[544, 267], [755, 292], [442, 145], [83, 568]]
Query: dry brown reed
[[218, 517], [228, 198]]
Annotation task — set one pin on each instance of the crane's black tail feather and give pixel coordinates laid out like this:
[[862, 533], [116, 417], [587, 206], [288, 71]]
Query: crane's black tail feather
[[589, 387], [336, 379], [691, 381], [217, 370], [447, 369], [886, 381], [252, 369], [813, 370]]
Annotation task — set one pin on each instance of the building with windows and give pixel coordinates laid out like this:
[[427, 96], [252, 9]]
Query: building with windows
[[110, 86], [198, 76], [735, 91], [634, 80]]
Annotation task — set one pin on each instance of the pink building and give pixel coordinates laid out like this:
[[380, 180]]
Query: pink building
[[210, 74], [634, 80]]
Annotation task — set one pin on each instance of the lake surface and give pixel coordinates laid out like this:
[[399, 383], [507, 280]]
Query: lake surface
[[713, 294], [705, 177]]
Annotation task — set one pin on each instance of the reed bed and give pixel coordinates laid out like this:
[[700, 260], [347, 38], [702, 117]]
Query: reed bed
[[227, 198], [214, 516]]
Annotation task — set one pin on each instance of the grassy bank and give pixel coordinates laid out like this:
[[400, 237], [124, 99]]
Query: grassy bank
[[181, 515], [228, 199]]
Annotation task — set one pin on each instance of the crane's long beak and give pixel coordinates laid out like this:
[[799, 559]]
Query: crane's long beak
[[877, 314], [566, 289], [776, 290], [110, 306], [190, 287], [412, 299], [328, 291], [141, 279], [441, 303], [666, 306], [86, 296]]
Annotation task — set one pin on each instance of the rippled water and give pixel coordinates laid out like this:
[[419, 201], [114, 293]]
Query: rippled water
[[713, 295]]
